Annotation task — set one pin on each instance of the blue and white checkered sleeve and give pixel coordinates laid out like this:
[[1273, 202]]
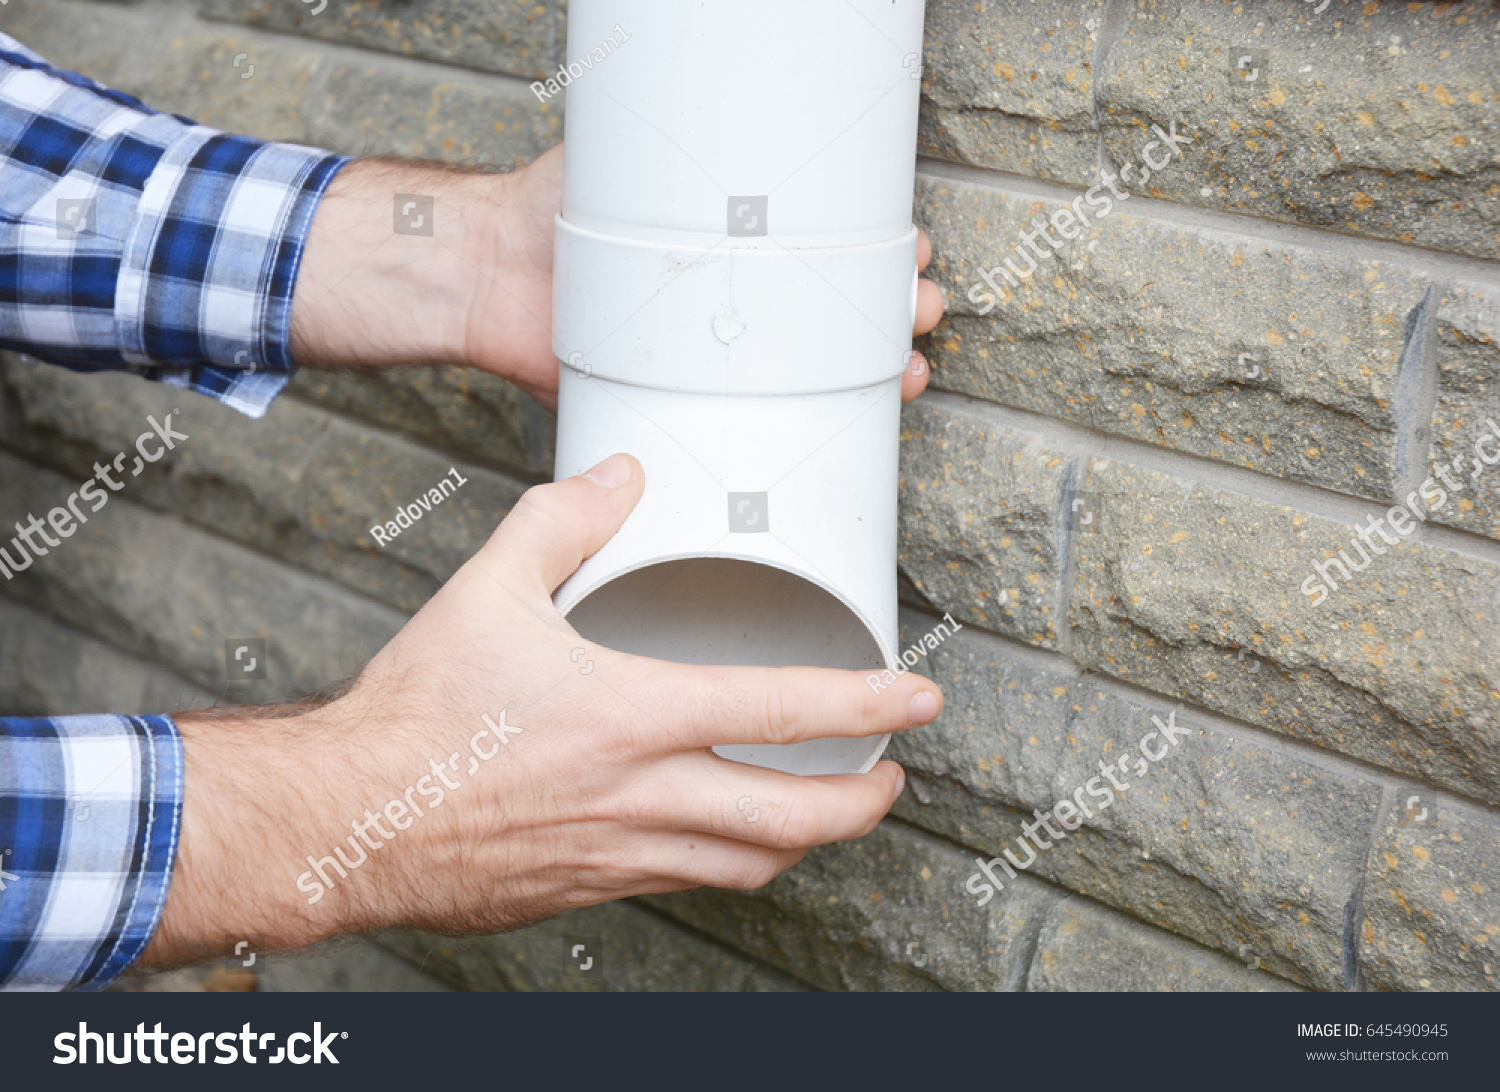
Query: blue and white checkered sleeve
[[134, 240], [89, 813]]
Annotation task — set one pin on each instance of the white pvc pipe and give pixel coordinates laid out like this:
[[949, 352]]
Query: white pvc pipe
[[734, 295]]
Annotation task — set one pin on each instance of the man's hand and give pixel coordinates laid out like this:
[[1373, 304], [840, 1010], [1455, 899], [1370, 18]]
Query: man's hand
[[476, 291], [559, 788]]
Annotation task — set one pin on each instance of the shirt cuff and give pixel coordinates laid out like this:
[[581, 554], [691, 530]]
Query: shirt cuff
[[204, 298], [90, 809]]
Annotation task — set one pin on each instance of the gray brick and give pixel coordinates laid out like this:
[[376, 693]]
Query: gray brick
[[1468, 360], [376, 108], [1197, 592], [348, 965], [882, 913], [1279, 358], [476, 415], [514, 37], [1009, 84], [1227, 842], [1084, 947], [299, 484], [172, 593], [298, 92], [191, 69], [47, 669], [1432, 899], [980, 520], [632, 949], [1382, 122]]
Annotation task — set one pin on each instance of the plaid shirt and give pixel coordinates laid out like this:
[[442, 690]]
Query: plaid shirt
[[129, 240]]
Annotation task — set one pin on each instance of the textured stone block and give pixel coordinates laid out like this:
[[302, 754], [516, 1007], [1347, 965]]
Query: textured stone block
[[626, 948], [513, 37], [299, 484], [1432, 899], [47, 669], [1468, 361], [377, 108], [882, 913], [1009, 84], [283, 89], [473, 414], [1211, 596], [981, 510], [1225, 841], [348, 965], [1382, 120], [219, 77], [166, 591], [1084, 947], [1275, 357]]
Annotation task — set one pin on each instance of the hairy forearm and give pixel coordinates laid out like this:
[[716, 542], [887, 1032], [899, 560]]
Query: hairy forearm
[[389, 268], [420, 263], [251, 798]]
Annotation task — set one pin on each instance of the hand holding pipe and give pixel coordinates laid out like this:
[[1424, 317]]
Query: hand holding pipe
[[734, 290]]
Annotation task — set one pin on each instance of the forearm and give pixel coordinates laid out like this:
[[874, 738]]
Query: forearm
[[250, 796], [389, 270], [420, 263], [216, 261]]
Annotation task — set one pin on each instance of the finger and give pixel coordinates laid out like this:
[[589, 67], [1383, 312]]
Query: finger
[[702, 707], [554, 528], [929, 306], [653, 862], [620, 864], [670, 861], [924, 250], [914, 381], [702, 792], [701, 860]]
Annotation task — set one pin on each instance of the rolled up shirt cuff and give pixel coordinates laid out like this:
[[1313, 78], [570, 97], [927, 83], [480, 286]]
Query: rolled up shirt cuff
[[204, 298], [90, 810]]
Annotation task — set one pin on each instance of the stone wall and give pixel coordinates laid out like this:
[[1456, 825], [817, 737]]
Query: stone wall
[[1131, 462]]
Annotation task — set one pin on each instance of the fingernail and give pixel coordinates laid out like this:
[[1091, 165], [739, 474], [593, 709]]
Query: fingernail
[[612, 473], [923, 708], [900, 782]]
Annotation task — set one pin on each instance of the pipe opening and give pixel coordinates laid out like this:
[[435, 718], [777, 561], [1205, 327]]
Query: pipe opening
[[715, 610]]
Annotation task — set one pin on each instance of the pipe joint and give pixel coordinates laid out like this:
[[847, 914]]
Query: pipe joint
[[732, 320]]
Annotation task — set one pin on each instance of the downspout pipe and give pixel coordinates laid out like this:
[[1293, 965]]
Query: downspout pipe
[[735, 287]]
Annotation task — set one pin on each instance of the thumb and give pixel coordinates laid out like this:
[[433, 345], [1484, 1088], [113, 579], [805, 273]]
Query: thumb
[[554, 528]]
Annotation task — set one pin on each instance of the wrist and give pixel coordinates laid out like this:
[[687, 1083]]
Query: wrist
[[252, 799], [391, 263]]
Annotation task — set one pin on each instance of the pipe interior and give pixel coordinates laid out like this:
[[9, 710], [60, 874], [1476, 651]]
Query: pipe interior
[[727, 611]]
